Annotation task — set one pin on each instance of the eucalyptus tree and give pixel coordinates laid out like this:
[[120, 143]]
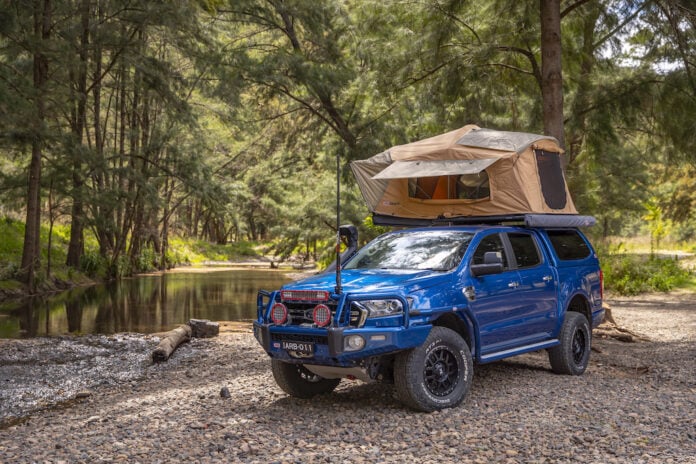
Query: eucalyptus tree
[[296, 91], [25, 31]]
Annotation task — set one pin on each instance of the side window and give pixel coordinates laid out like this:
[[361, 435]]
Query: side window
[[552, 180], [525, 249], [568, 244], [473, 186], [458, 187], [490, 243]]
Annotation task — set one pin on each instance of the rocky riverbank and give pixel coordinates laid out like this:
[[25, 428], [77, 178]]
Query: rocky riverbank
[[636, 403]]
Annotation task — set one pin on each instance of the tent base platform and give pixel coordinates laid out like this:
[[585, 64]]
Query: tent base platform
[[528, 220]]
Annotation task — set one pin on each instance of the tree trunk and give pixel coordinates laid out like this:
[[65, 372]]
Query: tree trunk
[[51, 222], [104, 214], [578, 116], [30, 252], [165, 225], [77, 245], [551, 70]]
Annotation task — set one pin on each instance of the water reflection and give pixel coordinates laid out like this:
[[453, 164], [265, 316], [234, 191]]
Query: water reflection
[[144, 304]]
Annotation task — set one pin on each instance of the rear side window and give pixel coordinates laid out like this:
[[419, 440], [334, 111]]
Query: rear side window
[[525, 249], [568, 244]]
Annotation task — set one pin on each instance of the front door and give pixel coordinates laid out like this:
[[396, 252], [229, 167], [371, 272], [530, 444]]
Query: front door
[[492, 297]]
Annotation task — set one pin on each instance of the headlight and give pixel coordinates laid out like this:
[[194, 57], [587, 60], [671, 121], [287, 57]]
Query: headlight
[[380, 308]]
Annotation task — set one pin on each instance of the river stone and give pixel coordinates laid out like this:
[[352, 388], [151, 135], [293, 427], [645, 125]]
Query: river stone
[[203, 328]]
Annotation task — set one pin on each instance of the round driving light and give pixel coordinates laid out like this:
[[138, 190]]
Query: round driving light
[[279, 313], [321, 315], [354, 343]]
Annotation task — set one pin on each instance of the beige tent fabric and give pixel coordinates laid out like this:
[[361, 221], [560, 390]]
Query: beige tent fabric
[[514, 180]]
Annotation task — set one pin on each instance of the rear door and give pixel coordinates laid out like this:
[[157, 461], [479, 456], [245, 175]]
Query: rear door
[[537, 291]]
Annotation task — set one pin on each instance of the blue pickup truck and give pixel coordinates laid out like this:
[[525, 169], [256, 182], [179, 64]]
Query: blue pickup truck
[[419, 307]]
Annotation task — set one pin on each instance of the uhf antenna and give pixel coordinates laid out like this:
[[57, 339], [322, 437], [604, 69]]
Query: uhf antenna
[[338, 223]]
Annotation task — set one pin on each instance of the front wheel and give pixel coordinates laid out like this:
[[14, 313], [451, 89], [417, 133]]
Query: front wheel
[[435, 375], [572, 355], [297, 381]]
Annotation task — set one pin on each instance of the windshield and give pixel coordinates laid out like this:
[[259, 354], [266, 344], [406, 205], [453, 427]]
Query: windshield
[[437, 250]]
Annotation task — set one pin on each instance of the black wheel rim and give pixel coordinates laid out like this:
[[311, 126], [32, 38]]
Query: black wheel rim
[[441, 371], [579, 346]]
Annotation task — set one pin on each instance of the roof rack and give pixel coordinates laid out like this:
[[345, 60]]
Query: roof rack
[[528, 220]]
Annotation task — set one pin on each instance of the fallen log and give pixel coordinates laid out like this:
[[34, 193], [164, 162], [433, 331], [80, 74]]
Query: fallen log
[[171, 340], [610, 329], [608, 317]]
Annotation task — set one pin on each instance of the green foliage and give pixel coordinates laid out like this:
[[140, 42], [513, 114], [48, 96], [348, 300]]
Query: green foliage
[[11, 240], [631, 274], [7, 283], [658, 226], [190, 251]]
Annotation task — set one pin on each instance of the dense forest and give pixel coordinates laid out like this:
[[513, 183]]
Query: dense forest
[[135, 121]]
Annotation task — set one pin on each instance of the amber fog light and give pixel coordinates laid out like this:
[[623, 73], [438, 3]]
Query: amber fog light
[[321, 315], [353, 343], [279, 314]]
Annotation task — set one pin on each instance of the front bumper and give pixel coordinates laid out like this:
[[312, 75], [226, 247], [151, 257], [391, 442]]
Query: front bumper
[[330, 344]]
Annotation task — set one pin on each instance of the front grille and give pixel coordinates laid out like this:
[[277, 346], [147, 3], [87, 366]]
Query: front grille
[[302, 313], [276, 337]]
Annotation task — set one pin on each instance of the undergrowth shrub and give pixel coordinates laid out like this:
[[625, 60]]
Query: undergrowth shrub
[[93, 264], [9, 271], [629, 274], [146, 260]]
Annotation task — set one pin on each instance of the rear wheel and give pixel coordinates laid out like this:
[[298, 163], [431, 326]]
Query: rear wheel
[[572, 355], [297, 381], [435, 375]]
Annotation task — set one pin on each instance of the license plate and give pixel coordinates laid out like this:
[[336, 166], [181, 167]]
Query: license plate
[[298, 347]]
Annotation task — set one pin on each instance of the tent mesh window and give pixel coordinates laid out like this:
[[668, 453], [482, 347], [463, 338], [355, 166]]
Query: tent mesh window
[[551, 176], [458, 187]]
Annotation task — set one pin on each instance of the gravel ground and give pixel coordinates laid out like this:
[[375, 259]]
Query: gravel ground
[[635, 404]]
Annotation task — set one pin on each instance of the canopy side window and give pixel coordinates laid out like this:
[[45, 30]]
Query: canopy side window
[[551, 177], [457, 187]]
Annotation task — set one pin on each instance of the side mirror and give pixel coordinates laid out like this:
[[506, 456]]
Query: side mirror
[[492, 264]]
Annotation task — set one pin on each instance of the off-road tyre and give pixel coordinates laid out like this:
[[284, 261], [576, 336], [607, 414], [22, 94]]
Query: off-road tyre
[[572, 355], [297, 381], [435, 375]]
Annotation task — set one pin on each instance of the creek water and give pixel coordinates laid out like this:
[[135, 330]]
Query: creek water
[[145, 304]]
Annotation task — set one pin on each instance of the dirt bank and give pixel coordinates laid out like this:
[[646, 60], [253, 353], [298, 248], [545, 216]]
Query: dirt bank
[[636, 403]]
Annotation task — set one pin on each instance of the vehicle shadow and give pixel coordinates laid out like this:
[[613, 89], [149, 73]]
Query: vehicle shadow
[[356, 395]]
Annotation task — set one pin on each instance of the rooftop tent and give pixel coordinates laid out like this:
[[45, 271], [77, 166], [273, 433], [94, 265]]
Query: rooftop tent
[[467, 172]]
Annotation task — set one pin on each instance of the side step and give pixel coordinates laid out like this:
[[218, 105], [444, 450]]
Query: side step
[[519, 350]]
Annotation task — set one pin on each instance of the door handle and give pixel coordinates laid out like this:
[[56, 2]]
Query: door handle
[[514, 284], [547, 278]]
